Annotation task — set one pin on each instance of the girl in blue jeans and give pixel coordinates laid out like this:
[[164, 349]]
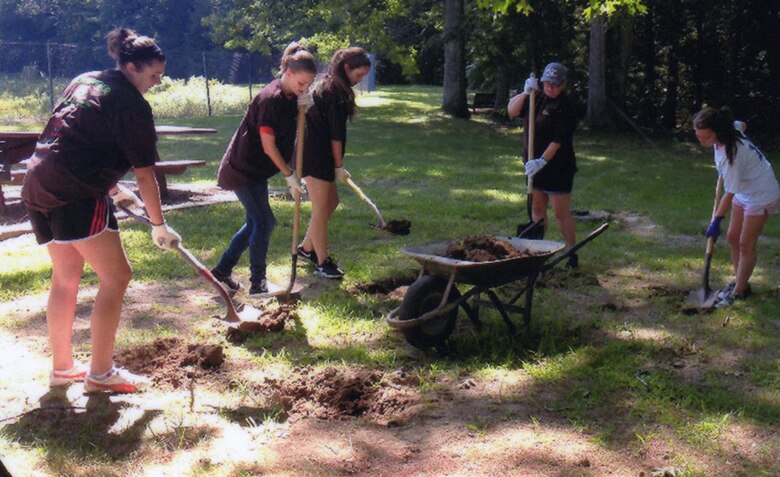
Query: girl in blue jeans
[[261, 147]]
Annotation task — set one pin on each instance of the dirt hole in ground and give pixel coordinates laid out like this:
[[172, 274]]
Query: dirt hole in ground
[[171, 361], [483, 248], [398, 227], [385, 286], [331, 394]]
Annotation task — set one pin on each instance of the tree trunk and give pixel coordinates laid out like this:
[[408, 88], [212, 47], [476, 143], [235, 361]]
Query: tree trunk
[[596, 115], [625, 45], [454, 100]]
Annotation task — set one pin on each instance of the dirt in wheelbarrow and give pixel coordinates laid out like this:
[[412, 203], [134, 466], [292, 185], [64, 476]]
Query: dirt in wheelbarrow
[[483, 248]]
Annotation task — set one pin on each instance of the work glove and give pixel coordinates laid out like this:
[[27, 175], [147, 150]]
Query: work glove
[[127, 199], [294, 184], [531, 85], [165, 237], [305, 99], [534, 165], [342, 174], [713, 230]]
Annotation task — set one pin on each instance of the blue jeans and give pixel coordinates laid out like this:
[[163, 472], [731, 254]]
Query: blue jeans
[[255, 234]]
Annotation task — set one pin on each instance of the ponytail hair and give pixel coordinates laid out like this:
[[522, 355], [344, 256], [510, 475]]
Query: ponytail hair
[[126, 46], [355, 57], [721, 122], [297, 58]]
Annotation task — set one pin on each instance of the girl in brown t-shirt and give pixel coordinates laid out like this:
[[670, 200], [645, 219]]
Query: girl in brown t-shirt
[[323, 152], [99, 129], [261, 147]]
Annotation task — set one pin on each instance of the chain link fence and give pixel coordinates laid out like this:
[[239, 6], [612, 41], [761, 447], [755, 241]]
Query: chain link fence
[[197, 83]]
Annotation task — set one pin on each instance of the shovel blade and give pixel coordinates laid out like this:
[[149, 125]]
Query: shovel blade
[[702, 298]]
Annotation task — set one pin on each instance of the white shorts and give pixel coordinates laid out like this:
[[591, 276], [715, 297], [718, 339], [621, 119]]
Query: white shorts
[[761, 209]]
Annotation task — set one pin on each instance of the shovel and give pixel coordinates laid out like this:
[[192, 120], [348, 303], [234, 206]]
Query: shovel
[[244, 317], [532, 229], [399, 227], [704, 297]]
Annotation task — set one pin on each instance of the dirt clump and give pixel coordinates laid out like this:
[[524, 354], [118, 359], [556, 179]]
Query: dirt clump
[[398, 227], [332, 394], [271, 320], [171, 361], [482, 248]]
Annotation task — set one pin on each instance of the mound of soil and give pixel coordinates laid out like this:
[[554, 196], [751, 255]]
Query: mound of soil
[[398, 227], [171, 361], [482, 248], [271, 320], [384, 398]]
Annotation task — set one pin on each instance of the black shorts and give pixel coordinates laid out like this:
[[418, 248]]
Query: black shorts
[[74, 221], [321, 167], [554, 181]]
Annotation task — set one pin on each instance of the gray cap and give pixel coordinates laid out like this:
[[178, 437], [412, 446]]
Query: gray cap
[[555, 73]]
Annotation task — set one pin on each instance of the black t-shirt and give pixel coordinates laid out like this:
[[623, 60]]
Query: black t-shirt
[[245, 163], [100, 128], [326, 121], [556, 121]]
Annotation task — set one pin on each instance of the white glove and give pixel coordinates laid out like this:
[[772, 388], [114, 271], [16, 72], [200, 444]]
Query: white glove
[[342, 174], [305, 99], [165, 237], [294, 184], [127, 199], [534, 165], [531, 84]]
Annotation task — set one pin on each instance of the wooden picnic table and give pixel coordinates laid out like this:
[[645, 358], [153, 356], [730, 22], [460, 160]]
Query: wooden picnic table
[[16, 146]]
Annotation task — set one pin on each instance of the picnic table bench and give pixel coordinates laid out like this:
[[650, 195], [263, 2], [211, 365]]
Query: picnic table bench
[[16, 146], [483, 100]]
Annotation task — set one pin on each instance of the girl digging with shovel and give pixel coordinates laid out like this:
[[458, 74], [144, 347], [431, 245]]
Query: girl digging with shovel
[[752, 194]]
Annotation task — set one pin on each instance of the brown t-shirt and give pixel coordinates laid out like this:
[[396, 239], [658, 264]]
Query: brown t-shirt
[[100, 127], [326, 121], [245, 163]]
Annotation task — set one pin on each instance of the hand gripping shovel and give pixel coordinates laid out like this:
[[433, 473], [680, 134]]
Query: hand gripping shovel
[[244, 317], [704, 297]]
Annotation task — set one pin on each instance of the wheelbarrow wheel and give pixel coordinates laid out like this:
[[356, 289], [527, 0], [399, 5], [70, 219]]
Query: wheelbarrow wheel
[[424, 295]]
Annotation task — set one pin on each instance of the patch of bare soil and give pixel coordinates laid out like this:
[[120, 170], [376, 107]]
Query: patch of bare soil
[[334, 394], [384, 287], [171, 362], [482, 248]]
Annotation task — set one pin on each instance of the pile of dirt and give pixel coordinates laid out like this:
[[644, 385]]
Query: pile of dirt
[[383, 398], [270, 320], [398, 227], [171, 361], [482, 248]]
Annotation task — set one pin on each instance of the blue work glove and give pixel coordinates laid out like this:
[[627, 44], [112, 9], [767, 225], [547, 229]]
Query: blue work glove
[[713, 230], [534, 165]]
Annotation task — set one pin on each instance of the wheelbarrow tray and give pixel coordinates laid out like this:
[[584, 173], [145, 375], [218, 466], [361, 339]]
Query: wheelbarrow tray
[[488, 274]]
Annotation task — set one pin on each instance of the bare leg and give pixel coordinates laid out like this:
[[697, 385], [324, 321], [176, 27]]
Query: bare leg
[[324, 200], [104, 253], [734, 232], [752, 225], [540, 201], [561, 205], [67, 267]]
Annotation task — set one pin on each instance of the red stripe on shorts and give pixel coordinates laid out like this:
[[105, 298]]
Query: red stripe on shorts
[[98, 217]]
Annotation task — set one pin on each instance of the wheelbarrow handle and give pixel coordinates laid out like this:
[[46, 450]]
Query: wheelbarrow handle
[[576, 247]]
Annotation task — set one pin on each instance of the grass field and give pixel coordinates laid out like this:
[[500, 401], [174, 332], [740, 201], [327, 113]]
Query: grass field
[[613, 376]]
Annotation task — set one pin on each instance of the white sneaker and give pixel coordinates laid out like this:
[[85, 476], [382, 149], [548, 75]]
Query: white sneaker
[[76, 374], [119, 380]]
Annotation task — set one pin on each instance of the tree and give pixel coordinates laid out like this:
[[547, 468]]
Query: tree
[[454, 100]]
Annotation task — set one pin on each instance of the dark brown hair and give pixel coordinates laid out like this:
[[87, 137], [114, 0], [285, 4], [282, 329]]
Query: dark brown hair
[[126, 46], [355, 57], [721, 122], [297, 58]]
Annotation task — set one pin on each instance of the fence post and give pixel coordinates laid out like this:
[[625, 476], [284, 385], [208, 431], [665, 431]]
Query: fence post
[[206, 75], [48, 70], [249, 70]]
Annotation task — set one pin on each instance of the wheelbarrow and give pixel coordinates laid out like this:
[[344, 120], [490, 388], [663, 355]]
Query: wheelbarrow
[[429, 309]]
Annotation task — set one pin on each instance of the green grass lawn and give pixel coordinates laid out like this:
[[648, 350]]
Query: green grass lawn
[[588, 345]]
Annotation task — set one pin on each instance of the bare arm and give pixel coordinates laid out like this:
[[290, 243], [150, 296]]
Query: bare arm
[[551, 151], [150, 193], [270, 149], [725, 205], [516, 105]]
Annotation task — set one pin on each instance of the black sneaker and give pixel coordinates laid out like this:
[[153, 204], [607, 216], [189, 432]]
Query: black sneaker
[[328, 269], [572, 262], [310, 256], [226, 280], [259, 288]]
